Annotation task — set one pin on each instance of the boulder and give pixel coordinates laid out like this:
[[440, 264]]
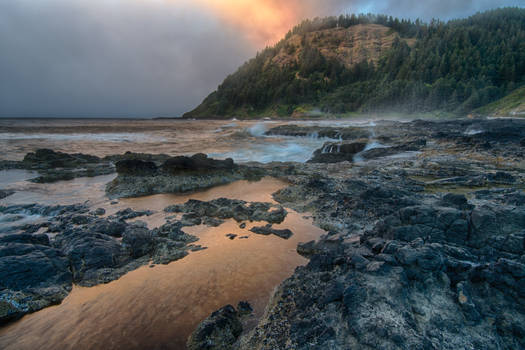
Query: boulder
[[335, 152], [269, 230]]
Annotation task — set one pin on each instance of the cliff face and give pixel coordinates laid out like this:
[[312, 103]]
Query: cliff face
[[349, 46]]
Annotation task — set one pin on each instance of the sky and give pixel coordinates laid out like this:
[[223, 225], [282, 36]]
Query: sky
[[152, 58]]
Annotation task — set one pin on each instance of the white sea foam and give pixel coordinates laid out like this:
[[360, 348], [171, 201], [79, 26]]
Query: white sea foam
[[285, 150], [258, 129], [470, 132]]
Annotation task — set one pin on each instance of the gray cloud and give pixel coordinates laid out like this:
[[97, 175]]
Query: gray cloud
[[428, 9], [145, 58], [110, 58]]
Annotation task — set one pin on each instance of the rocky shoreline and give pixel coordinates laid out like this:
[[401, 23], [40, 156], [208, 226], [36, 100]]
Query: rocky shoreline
[[425, 250], [425, 243]]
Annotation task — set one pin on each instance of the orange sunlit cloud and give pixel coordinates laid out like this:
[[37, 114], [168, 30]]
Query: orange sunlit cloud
[[263, 22]]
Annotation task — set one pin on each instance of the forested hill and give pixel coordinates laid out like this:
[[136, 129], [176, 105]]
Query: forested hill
[[372, 63]]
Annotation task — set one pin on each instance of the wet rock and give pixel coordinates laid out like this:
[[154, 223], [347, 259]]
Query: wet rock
[[191, 219], [224, 208], [5, 193], [390, 151], [198, 162], [135, 167], [110, 227], [50, 159], [269, 230], [177, 175], [100, 211], [212, 222], [89, 251], [138, 240], [129, 213], [218, 331], [335, 152], [56, 166], [458, 201], [244, 308], [33, 275], [346, 133]]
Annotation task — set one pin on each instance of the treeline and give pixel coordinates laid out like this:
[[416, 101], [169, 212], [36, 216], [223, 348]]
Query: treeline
[[455, 66]]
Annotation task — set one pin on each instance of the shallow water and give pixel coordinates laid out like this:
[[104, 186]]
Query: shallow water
[[157, 308]]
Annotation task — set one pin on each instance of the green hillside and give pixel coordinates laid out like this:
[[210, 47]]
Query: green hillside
[[370, 63], [512, 105]]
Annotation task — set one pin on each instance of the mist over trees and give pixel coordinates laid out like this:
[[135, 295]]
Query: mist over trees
[[455, 66]]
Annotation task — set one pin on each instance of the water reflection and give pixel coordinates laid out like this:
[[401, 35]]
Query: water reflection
[[157, 308]]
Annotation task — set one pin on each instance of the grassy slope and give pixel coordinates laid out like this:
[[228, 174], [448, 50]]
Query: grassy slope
[[512, 105]]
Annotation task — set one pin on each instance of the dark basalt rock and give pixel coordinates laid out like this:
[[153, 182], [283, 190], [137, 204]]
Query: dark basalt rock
[[224, 208], [99, 211], [129, 213], [38, 270], [425, 251], [198, 163], [138, 240], [5, 193], [46, 158], [33, 275], [88, 251], [135, 167], [269, 230], [336, 152], [458, 201], [218, 331], [57, 166], [379, 152], [176, 175], [347, 133]]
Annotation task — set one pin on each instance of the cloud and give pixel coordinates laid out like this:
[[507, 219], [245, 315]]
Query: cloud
[[144, 58], [426, 10], [111, 58]]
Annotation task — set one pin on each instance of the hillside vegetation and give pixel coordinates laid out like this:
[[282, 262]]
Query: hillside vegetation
[[511, 105], [370, 63]]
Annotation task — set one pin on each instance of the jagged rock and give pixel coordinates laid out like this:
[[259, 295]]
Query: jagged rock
[[224, 208], [6, 193], [129, 213], [336, 152], [218, 331], [56, 166], [347, 133], [33, 275], [177, 175], [135, 167], [389, 151], [100, 211], [269, 230], [196, 163]]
